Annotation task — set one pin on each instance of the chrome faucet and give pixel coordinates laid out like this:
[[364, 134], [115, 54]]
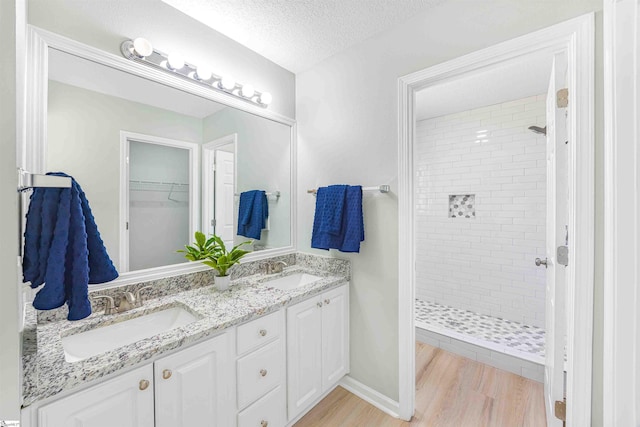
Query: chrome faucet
[[126, 301]]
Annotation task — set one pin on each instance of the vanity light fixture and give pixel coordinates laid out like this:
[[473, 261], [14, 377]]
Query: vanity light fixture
[[142, 51]]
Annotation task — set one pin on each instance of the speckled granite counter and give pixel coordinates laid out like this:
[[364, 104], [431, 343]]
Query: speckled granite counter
[[46, 372]]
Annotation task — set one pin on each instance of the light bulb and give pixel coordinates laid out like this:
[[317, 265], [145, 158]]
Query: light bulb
[[142, 47], [248, 91], [266, 98], [175, 61], [203, 73], [228, 83]]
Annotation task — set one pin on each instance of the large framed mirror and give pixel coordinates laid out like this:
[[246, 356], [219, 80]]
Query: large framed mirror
[[158, 157]]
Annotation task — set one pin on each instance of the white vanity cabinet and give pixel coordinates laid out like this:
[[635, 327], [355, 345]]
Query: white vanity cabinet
[[261, 372], [125, 401], [193, 387], [317, 347]]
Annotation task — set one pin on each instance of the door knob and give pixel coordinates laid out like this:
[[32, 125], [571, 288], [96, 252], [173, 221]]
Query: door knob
[[540, 262], [144, 384], [166, 374]]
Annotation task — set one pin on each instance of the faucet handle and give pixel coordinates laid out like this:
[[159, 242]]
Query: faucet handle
[[109, 305], [138, 298]]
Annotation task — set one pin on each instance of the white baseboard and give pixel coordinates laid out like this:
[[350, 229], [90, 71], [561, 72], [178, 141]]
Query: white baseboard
[[370, 395]]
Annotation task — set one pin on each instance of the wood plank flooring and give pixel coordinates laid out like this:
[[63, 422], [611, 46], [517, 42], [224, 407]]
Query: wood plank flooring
[[451, 391]]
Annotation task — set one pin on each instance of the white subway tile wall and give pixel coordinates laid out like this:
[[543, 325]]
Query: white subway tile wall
[[484, 263]]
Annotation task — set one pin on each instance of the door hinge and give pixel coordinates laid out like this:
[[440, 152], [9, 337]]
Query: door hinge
[[562, 98], [561, 409], [213, 223], [562, 255], [127, 225]]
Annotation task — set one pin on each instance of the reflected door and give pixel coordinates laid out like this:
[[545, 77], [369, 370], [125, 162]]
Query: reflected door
[[224, 196]]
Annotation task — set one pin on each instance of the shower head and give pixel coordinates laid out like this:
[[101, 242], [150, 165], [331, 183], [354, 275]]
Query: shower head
[[538, 129]]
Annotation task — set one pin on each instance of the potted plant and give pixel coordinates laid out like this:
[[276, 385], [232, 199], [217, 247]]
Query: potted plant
[[213, 252]]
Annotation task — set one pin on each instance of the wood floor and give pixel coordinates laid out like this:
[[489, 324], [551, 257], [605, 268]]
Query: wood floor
[[450, 391]]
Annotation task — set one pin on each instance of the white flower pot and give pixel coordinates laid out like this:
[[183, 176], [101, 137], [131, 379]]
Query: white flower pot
[[222, 282]]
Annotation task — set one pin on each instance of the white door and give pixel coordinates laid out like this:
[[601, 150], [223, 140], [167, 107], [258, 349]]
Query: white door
[[304, 349], [125, 401], [224, 196], [194, 386], [335, 336], [557, 203]]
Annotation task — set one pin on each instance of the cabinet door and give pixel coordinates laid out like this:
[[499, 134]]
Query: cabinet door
[[304, 335], [125, 401], [335, 336], [194, 387]]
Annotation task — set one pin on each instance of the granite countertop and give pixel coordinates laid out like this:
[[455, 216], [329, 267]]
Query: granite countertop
[[47, 373]]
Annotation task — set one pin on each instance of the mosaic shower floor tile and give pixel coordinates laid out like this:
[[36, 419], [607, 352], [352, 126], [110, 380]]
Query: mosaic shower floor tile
[[513, 336]]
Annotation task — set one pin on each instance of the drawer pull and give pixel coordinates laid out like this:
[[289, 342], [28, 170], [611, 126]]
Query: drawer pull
[[263, 372], [327, 301], [264, 423], [166, 374], [263, 332], [144, 384], [319, 304]]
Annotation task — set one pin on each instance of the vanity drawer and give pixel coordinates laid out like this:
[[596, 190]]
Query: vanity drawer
[[269, 411], [257, 332], [260, 372]]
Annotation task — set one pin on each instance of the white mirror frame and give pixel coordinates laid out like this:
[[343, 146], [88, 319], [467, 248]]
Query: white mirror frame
[[33, 154]]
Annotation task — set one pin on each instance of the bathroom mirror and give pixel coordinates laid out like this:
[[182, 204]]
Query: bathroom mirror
[[157, 157]]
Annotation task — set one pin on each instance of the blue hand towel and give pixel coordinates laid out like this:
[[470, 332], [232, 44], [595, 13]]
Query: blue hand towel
[[348, 208], [63, 249], [253, 211]]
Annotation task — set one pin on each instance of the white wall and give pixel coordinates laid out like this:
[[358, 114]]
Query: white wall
[[106, 24], [347, 132], [483, 263], [12, 17], [84, 141], [263, 163]]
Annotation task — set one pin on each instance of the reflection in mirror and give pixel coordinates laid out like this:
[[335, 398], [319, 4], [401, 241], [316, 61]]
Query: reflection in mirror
[[134, 146], [157, 197]]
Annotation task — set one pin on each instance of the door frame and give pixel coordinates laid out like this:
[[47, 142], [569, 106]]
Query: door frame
[[194, 182], [208, 176], [576, 37], [621, 364]]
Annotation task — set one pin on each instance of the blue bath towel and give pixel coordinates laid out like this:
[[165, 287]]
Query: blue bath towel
[[63, 249], [253, 211], [338, 222]]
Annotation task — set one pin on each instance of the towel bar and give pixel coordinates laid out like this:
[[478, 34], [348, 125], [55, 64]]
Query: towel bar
[[27, 181], [380, 188]]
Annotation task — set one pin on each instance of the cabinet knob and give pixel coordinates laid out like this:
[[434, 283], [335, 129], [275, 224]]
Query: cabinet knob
[[327, 301], [319, 304], [263, 332], [263, 372], [166, 374], [264, 423], [144, 384]]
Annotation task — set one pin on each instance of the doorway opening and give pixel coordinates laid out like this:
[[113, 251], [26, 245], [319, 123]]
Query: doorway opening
[[490, 205]]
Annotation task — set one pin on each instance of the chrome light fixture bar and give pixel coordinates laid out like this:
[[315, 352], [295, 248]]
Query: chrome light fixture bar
[[141, 50]]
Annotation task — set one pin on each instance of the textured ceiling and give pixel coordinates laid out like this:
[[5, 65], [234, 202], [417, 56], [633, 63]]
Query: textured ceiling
[[297, 34]]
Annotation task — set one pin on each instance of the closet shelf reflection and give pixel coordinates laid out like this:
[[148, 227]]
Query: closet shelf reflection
[[158, 186]]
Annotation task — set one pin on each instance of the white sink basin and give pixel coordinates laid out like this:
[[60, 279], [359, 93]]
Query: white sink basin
[[102, 339], [292, 281]]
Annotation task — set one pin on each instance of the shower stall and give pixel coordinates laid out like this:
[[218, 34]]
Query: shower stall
[[480, 214]]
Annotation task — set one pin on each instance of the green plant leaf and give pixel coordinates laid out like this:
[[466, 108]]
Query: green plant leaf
[[201, 239]]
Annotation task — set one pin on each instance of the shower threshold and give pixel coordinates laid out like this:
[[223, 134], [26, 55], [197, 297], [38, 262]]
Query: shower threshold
[[501, 343]]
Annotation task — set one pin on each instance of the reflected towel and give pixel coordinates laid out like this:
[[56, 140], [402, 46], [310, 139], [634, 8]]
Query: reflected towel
[[63, 249], [338, 204], [253, 211]]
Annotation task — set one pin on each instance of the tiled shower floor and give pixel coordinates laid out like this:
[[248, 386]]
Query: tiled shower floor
[[499, 334]]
